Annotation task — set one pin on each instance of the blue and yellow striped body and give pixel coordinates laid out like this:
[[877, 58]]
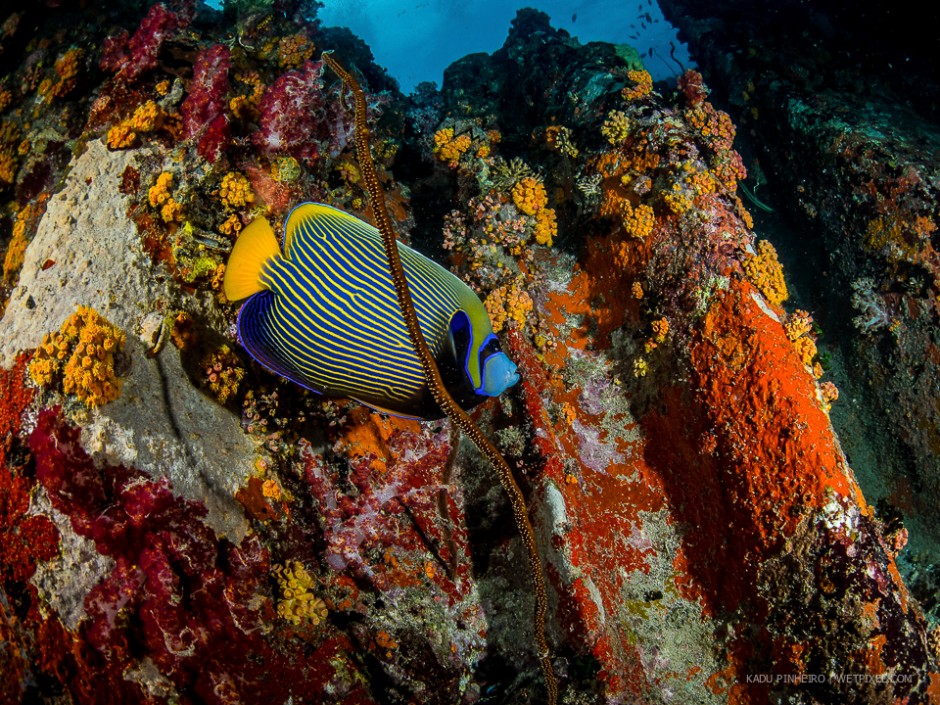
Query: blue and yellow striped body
[[326, 316]]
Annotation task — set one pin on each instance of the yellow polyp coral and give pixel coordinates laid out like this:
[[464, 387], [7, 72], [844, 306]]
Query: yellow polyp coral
[[508, 303], [6, 97], [171, 211], [16, 250], [798, 324], [223, 373], [160, 191], [806, 349], [702, 182], [298, 605], [558, 138], [529, 195], [292, 51], [616, 127], [660, 330], [677, 202], [67, 65], [641, 367], [642, 85], [766, 273], [235, 190], [638, 221], [449, 148], [636, 289], [232, 226], [270, 489], [121, 136], [8, 165], [146, 117], [546, 226], [89, 342], [162, 88]]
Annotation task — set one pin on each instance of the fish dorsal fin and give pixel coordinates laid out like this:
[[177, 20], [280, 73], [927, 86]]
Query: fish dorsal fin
[[255, 246], [313, 219]]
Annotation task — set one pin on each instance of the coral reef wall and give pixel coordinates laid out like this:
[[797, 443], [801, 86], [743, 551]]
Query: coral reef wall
[[853, 93], [179, 525]]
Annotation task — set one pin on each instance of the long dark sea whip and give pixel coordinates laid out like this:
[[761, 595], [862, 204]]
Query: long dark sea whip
[[443, 398]]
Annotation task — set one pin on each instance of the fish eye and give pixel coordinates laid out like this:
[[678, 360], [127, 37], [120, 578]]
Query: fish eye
[[489, 348]]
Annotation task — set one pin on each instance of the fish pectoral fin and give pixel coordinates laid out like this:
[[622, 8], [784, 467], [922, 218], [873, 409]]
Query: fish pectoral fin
[[255, 246], [255, 326]]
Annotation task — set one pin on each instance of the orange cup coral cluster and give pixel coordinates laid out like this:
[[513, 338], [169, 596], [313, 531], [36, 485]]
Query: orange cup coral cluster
[[147, 117], [294, 50], [81, 356], [298, 605], [450, 148], [766, 273], [639, 221], [546, 226], [223, 373], [16, 250], [508, 303], [529, 195], [642, 85], [171, 211], [616, 127], [235, 191], [558, 138], [67, 67]]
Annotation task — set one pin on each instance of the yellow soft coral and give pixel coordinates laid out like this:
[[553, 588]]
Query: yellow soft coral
[[638, 221], [643, 85], [146, 117], [232, 226], [546, 226], [16, 250], [292, 51], [529, 195], [448, 148], [616, 127], [298, 605], [89, 341], [235, 190], [558, 137], [508, 303], [766, 273], [660, 329], [159, 196], [121, 136]]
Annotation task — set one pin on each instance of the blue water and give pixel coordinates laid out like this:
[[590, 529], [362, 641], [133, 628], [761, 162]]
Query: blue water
[[417, 40]]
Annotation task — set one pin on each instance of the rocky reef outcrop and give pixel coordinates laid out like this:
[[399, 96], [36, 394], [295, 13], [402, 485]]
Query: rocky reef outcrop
[[179, 525], [840, 109]]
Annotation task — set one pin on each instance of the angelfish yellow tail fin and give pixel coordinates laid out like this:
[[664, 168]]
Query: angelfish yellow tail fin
[[255, 246]]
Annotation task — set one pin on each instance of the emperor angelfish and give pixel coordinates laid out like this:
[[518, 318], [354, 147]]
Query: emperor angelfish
[[324, 314]]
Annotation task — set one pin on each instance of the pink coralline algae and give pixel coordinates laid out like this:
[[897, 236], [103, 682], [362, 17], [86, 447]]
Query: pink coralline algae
[[391, 522], [197, 607], [203, 111], [289, 113], [130, 58]]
